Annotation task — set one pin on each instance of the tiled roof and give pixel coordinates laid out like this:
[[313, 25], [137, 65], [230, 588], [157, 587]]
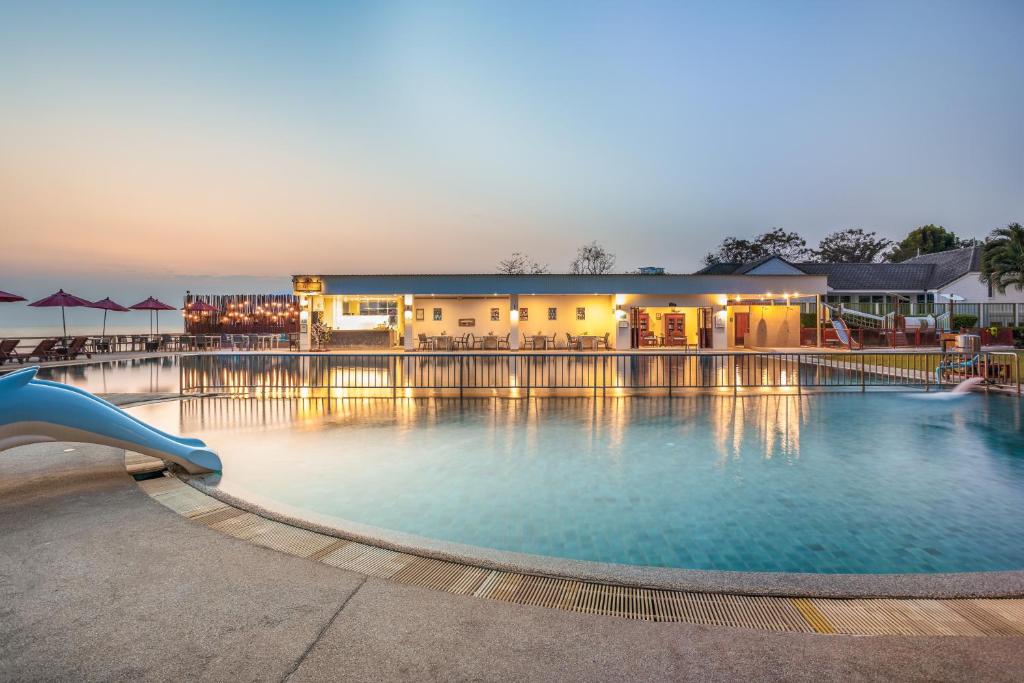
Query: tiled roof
[[719, 269], [872, 276], [920, 273], [950, 265]]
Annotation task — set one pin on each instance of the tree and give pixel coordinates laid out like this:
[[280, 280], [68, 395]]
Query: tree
[[1002, 258], [927, 239], [592, 259], [776, 242], [852, 245], [519, 264]]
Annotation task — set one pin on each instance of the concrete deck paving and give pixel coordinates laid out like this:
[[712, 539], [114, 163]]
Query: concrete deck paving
[[100, 582]]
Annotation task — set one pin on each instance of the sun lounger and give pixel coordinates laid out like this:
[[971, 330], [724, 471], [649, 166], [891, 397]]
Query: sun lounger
[[75, 349], [8, 350], [42, 352]]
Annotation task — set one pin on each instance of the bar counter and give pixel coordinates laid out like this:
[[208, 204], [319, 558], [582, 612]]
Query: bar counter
[[369, 338]]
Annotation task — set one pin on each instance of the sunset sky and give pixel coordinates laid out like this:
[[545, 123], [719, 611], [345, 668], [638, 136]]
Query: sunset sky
[[146, 149]]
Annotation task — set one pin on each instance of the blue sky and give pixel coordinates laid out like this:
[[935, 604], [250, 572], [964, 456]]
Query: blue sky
[[143, 144]]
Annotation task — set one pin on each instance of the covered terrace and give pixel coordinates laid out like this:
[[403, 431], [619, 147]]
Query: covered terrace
[[555, 311]]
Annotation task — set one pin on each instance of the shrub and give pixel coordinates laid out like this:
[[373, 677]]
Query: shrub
[[1018, 337], [808, 320], [963, 321]]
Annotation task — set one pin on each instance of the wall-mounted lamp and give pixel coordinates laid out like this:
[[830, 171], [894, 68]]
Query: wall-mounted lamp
[[513, 315], [620, 299], [408, 299], [408, 314], [723, 300], [620, 314]]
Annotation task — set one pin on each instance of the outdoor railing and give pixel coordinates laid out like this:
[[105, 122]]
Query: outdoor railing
[[523, 374], [1004, 314]]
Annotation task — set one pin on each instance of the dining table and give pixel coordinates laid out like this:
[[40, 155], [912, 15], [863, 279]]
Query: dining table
[[442, 343]]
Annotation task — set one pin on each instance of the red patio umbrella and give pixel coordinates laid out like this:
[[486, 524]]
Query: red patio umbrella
[[109, 305], [7, 297], [62, 299], [151, 305]]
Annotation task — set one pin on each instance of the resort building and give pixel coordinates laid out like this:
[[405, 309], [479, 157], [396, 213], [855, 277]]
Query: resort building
[[917, 285], [498, 312]]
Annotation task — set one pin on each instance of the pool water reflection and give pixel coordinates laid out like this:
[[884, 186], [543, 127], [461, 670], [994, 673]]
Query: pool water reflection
[[861, 483]]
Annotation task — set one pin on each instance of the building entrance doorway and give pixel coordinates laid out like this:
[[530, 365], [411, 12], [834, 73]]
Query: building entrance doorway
[[741, 327], [705, 325]]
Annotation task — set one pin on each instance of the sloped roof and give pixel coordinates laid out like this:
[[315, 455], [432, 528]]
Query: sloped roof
[[929, 271], [719, 269], [872, 276], [949, 265]]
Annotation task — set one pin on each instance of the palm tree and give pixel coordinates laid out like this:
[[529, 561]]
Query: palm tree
[[1002, 258]]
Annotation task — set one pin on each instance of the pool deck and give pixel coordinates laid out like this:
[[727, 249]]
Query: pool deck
[[99, 581]]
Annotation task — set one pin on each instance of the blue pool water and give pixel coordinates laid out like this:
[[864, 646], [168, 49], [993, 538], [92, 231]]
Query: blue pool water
[[862, 483]]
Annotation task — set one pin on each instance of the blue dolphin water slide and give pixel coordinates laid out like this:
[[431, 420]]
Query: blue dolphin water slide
[[36, 411]]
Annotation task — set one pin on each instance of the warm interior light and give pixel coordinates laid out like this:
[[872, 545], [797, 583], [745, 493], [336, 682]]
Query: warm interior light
[[408, 314], [513, 315], [620, 299], [620, 314], [408, 299], [723, 300]]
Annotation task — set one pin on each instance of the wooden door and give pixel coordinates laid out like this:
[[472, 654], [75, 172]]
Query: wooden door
[[741, 327], [675, 329], [705, 321]]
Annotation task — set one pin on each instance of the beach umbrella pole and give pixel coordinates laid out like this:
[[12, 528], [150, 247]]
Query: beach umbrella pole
[[63, 323]]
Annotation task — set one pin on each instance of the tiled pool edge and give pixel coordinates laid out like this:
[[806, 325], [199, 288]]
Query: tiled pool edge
[[996, 584], [856, 616]]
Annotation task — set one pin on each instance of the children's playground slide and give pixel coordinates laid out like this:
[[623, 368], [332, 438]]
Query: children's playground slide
[[843, 333]]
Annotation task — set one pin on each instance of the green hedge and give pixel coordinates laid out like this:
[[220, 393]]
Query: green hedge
[[1018, 337], [963, 321], [808, 320]]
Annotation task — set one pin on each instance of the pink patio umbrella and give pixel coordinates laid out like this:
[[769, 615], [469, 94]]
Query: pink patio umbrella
[[7, 297], [62, 299], [151, 305], [108, 305]]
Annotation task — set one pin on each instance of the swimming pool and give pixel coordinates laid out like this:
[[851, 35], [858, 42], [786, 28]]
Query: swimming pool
[[836, 483]]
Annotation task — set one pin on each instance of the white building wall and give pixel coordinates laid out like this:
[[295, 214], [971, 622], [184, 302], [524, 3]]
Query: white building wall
[[973, 290]]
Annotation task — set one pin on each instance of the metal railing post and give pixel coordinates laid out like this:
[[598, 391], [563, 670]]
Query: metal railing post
[[862, 372], [529, 368], [462, 377], [668, 359]]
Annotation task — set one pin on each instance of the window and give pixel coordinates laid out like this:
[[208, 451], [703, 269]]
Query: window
[[437, 314], [524, 314], [552, 314], [388, 307], [581, 313]]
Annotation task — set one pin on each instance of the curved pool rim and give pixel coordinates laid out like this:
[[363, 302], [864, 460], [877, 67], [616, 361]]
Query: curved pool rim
[[981, 584]]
